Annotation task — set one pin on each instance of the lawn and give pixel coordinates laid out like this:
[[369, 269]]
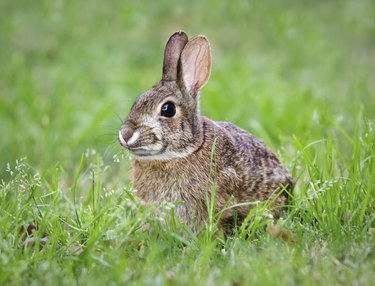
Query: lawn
[[300, 75]]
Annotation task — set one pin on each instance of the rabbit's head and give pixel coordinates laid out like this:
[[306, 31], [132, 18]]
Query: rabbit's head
[[164, 122]]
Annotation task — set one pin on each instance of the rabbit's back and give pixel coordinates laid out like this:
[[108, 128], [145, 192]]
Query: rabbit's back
[[263, 175]]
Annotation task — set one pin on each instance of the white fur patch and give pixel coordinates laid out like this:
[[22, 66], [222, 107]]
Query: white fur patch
[[134, 138], [165, 156], [122, 141], [131, 140], [150, 122]]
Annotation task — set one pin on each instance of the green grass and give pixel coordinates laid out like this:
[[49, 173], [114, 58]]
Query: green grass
[[298, 74]]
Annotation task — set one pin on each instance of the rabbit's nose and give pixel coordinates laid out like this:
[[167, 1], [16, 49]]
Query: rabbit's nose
[[125, 134]]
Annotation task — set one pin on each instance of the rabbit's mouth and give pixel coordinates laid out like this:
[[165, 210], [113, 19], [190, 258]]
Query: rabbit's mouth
[[151, 147], [138, 147]]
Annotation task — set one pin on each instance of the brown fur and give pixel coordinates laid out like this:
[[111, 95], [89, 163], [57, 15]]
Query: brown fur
[[174, 161]]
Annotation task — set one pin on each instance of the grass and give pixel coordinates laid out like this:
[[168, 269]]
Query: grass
[[299, 75]]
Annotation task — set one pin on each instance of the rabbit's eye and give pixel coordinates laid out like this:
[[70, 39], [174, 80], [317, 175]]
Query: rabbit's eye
[[168, 109]]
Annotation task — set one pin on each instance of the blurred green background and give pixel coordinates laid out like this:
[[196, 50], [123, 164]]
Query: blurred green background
[[70, 70]]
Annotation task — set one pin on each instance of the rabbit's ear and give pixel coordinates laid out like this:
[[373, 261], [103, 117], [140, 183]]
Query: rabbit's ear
[[195, 64], [172, 54]]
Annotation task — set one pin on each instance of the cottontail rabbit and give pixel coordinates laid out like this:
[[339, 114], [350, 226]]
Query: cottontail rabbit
[[180, 156]]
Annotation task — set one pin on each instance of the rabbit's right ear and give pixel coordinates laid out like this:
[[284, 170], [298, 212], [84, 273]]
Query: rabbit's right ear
[[195, 64], [172, 53]]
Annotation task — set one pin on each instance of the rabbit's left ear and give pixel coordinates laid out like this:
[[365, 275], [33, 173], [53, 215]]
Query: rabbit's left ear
[[172, 54], [195, 64]]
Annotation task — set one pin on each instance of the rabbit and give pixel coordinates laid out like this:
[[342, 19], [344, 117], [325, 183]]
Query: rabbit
[[178, 155]]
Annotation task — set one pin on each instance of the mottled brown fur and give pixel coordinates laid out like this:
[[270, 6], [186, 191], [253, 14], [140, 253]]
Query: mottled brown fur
[[173, 155]]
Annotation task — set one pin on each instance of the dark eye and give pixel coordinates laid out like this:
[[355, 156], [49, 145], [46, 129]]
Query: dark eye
[[168, 109]]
